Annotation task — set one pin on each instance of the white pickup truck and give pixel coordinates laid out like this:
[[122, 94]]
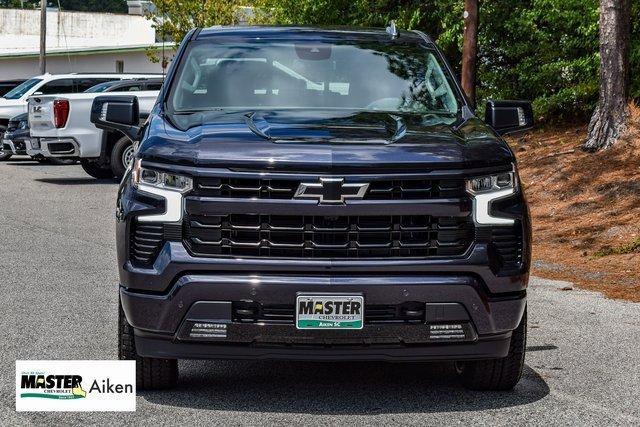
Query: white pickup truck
[[61, 127], [14, 102]]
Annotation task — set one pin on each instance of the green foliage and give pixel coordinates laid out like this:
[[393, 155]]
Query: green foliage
[[16, 4], [543, 50], [174, 18]]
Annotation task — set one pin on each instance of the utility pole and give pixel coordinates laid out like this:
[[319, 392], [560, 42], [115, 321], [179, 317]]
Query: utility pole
[[470, 49], [43, 36]]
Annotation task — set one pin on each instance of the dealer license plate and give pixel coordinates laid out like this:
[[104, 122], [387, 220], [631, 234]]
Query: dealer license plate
[[337, 311]]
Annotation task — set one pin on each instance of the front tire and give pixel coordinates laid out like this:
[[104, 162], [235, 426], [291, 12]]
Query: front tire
[[121, 156], [498, 374], [151, 373], [96, 170]]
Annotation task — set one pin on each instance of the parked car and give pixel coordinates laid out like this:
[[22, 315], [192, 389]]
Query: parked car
[[7, 85], [133, 85], [15, 137], [61, 127], [320, 194], [14, 102], [17, 140]]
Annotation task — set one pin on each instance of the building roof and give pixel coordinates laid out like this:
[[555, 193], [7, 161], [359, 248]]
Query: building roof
[[87, 50]]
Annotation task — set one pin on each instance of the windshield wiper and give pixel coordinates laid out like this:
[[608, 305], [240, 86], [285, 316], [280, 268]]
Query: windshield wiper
[[195, 110]]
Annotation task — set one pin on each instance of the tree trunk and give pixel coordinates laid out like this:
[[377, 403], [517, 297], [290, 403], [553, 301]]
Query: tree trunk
[[469, 49], [610, 117]]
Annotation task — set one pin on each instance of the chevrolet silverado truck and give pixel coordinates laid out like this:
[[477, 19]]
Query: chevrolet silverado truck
[[14, 102], [60, 127], [320, 194]]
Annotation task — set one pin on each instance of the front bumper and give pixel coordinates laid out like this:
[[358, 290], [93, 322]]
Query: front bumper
[[17, 147], [495, 347], [162, 322]]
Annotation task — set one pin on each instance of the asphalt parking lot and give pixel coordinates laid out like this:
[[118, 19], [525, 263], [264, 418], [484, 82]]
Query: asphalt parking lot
[[59, 285]]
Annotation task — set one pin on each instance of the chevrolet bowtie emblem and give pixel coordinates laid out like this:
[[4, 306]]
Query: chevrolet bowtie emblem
[[331, 191]]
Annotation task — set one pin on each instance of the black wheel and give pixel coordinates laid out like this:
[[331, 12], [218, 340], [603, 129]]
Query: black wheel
[[498, 374], [96, 170], [121, 156], [151, 373]]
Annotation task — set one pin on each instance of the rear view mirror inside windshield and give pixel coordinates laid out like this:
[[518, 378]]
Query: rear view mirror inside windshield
[[313, 52]]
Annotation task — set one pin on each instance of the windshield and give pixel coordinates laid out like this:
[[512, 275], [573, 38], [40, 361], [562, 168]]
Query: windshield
[[101, 87], [18, 91], [355, 75]]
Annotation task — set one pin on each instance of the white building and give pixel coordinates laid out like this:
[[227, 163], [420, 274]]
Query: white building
[[77, 42]]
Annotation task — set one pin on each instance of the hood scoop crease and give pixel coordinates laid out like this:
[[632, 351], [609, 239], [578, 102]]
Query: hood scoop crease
[[394, 127]]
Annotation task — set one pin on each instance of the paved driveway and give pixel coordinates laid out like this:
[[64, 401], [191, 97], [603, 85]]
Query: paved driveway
[[58, 280]]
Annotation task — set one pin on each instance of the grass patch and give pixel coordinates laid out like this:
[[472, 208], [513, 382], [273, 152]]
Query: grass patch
[[619, 250]]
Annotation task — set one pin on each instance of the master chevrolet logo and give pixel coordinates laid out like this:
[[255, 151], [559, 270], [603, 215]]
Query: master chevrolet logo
[[331, 191]]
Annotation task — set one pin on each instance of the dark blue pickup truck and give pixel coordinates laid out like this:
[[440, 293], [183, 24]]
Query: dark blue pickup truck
[[320, 194]]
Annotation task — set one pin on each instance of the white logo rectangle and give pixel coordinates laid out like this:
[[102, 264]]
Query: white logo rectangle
[[75, 385]]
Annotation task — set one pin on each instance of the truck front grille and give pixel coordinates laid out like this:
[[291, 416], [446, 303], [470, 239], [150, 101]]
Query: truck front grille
[[292, 236], [393, 189], [12, 125]]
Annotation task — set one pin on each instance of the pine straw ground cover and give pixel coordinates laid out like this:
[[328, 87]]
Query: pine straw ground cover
[[585, 207]]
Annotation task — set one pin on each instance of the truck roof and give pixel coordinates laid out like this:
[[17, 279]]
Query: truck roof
[[284, 32]]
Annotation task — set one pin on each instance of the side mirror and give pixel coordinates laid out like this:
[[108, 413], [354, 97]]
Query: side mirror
[[117, 113], [507, 117]]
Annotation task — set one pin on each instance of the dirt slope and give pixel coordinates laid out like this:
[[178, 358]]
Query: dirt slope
[[585, 207]]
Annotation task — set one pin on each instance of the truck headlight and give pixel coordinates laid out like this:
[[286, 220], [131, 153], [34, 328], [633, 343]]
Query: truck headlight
[[158, 179], [491, 183], [170, 186], [485, 190]]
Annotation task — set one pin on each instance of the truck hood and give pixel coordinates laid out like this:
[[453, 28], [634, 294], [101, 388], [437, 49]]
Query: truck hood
[[326, 142]]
